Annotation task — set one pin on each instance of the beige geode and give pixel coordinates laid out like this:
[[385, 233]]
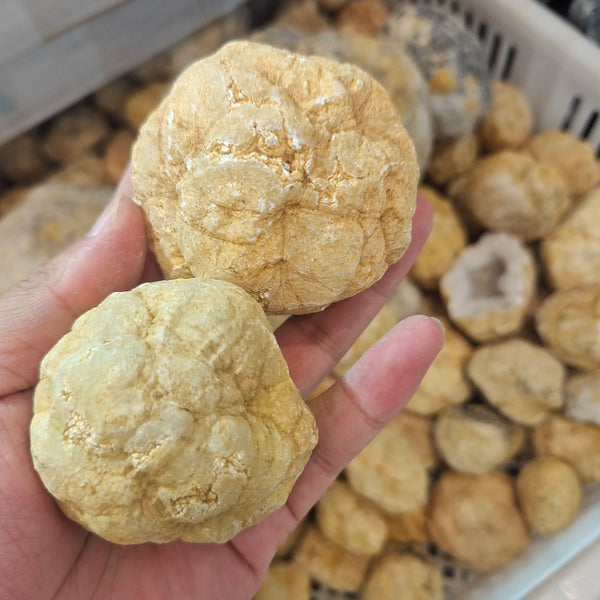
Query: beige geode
[[475, 519], [384, 59], [445, 382], [447, 238], [549, 494], [574, 442], [571, 253], [452, 159], [573, 157], [408, 527], [404, 576], [390, 472], [284, 580], [351, 521], [329, 563], [489, 288], [568, 322], [511, 191], [582, 397], [290, 176], [168, 413], [523, 380], [475, 439], [509, 121]]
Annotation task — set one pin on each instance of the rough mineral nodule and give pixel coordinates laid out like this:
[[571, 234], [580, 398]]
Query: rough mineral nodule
[[288, 175], [167, 413]]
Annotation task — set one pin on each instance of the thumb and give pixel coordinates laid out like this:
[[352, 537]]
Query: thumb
[[40, 309]]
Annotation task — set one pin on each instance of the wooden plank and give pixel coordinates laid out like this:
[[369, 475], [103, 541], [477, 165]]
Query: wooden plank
[[53, 76], [53, 17], [18, 32]]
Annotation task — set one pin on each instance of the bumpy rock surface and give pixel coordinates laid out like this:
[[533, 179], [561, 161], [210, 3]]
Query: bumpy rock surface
[[574, 158], [453, 159], [407, 527], [571, 253], [329, 563], [549, 494], [509, 121], [576, 443], [168, 413], [384, 59], [475, 439], [74, 132], [582, 397], [568, 322], [284, 580], [523, 380], [510, 191], [476, 520], [390, 472], [447, 238], [290, 176], [404, 576], [351, 521]]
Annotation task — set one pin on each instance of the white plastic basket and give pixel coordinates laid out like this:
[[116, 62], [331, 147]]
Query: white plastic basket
[[558, 70], [553, 64]]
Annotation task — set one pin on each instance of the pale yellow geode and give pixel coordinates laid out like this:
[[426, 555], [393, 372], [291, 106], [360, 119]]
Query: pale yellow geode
[[168, 413], [291, 176]]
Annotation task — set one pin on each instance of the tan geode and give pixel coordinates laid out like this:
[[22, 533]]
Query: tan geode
[[512, 192], [571, 253], [168, 413], [291, 176], [475, 519], [568, 322]]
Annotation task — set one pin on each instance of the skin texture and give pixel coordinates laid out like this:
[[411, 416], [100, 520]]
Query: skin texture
[[44, 555]]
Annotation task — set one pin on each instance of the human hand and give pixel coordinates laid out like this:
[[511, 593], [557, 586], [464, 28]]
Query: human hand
[[44, 555]]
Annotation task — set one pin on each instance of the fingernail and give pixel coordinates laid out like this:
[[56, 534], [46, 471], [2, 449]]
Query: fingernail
[[107, 218], [441, 326]]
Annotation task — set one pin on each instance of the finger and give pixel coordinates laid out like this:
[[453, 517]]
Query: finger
[[313, 344], [39, 310], [349, 415]]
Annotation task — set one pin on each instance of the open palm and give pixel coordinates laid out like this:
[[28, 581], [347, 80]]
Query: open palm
[[44, 555]]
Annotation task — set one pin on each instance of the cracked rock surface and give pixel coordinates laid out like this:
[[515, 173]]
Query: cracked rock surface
[[168, 413], [290, 176]]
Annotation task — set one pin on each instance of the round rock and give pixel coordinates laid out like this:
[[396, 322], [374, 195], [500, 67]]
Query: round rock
[[291, 176], [168, 413]]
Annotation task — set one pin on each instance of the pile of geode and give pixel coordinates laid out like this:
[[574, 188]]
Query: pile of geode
[[503, 435]]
